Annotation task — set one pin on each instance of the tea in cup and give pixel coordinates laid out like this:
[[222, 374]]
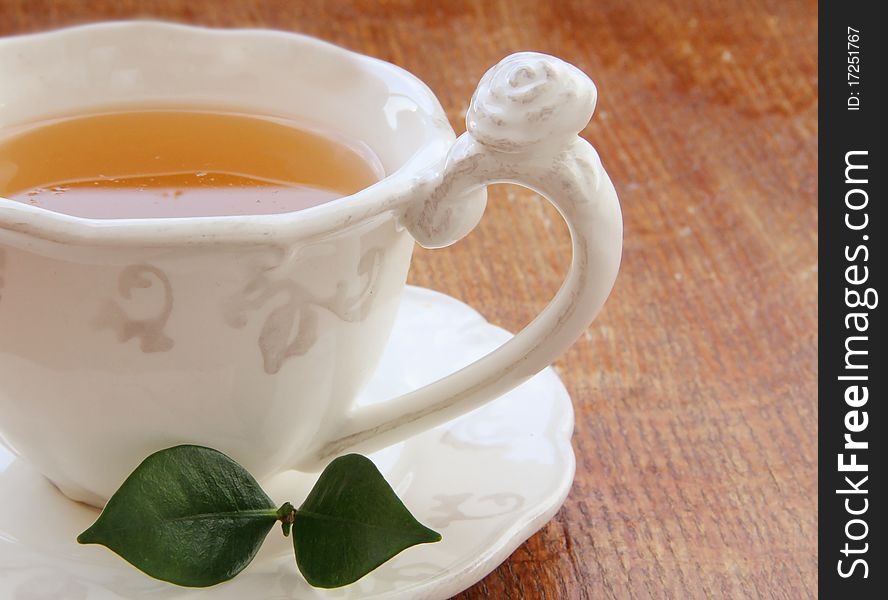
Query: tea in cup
[[131, 164]]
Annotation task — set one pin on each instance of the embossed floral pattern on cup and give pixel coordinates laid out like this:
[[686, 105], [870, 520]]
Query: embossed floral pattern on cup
[[149, 330]]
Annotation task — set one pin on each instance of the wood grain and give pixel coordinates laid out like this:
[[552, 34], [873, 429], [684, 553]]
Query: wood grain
[[695, 389]]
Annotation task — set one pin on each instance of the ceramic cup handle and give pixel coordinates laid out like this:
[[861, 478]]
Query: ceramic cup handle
[[523, 127]]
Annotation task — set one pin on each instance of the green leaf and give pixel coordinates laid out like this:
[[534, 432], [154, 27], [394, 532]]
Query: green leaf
[[188, 515], [351, 523]]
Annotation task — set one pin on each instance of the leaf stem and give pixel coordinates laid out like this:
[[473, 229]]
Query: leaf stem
[[286, 514]]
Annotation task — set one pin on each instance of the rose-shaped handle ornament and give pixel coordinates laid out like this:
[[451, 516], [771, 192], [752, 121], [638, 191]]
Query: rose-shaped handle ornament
[[523, 126]]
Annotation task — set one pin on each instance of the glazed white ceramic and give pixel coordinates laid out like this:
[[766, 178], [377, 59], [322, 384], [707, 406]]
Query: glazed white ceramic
[[254, 335], [487, 481]]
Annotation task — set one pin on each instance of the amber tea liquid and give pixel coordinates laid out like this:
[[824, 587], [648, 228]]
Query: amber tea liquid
[[178, 163]]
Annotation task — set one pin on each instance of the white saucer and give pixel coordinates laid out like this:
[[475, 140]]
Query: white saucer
[[486, 481]]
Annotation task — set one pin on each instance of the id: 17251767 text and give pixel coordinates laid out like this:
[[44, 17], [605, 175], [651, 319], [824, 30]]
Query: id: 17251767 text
[[854, 87]]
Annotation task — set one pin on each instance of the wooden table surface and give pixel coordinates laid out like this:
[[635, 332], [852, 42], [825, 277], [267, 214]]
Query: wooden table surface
[[695, 389]]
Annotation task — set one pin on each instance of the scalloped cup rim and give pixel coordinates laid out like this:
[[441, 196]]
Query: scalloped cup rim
[[53, 226]]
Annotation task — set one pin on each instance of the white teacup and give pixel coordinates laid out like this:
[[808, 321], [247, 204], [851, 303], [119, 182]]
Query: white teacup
[[254, 334]]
